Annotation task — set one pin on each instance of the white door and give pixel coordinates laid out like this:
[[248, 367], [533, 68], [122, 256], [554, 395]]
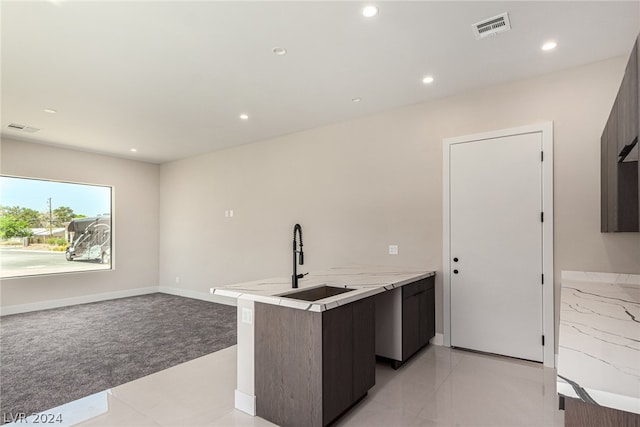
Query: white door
[[496, 245]]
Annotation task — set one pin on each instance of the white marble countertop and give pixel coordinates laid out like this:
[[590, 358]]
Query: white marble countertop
[[599, 342], [365, 280]]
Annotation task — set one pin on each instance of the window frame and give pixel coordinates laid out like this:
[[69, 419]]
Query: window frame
[[112, 232]]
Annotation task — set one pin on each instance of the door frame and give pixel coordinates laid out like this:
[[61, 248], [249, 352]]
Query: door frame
[[548, 317]]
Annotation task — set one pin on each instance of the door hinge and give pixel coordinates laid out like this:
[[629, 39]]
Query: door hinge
[[541, 216], [542, 156], [543, 279], [543, 340]]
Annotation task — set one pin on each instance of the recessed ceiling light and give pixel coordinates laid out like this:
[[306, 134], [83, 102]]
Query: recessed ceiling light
[[244, 116], [356, 99], [279, 51], [370, 11], [134, 150], [549, 45], [427, 79], [50, 111]]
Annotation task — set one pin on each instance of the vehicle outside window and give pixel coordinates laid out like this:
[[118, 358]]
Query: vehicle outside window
[[50, 227], [90, 239]]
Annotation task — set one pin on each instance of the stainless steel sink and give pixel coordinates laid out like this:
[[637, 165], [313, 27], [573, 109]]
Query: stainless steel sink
[[316, 293]]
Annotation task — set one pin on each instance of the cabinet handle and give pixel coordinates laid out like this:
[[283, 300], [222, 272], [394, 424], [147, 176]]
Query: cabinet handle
[[625, 150], [455, 271], [455, 260]]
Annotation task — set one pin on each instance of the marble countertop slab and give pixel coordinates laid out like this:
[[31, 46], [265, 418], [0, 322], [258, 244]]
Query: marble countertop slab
[[599, 341], [365, 280]]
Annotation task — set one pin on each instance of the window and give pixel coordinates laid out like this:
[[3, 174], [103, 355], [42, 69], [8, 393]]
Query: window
[[49, 227]]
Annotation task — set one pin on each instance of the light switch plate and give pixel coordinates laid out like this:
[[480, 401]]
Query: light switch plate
[[393, 249]]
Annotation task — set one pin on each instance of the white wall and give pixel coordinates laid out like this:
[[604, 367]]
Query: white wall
[[358, 186], [135, 216]]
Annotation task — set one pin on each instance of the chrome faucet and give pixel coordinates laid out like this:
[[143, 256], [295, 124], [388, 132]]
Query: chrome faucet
[[294, 278]]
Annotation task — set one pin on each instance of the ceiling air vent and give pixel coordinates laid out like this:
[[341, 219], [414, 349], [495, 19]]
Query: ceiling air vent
[[491, 26], [22, 128]]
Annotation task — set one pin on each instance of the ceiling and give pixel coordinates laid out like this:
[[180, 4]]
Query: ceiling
[[170, 78]]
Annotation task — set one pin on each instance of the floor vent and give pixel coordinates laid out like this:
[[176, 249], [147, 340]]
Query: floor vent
[[22, 128], [491, 26]]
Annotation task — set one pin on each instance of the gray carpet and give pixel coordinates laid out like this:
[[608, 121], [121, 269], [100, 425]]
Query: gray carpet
[[52, 357]]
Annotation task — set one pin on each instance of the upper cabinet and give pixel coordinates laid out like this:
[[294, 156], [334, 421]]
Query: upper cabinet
[[620, 177], [628, 107]]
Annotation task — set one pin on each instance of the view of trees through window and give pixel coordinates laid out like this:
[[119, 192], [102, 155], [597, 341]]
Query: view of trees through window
[[53, 227]]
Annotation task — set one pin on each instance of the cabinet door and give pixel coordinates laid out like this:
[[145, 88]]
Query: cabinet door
[[410, 321], [620, 180], [628, 105], [426, 305], [628, 120], [612, 169], [337, 361], [348, 356], [364, 347], [627, 196]]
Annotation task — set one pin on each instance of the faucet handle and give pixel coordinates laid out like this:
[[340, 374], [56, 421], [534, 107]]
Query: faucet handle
[[300, 276]]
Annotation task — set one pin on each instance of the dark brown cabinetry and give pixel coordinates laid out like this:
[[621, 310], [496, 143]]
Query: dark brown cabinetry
[[582, 414], [310, 367], [628, 106], [418, 315], [348, 353], [620, 177]]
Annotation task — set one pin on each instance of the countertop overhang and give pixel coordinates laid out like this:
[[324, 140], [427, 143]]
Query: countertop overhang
[[365, 280], [599, 341]]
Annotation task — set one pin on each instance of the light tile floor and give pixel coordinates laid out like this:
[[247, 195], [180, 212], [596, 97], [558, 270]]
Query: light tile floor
[[437, 387]]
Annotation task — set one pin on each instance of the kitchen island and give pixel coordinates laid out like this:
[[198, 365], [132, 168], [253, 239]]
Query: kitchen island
[[400, 295], [599, 349]]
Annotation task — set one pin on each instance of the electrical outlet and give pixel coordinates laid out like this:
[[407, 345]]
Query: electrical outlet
[[177, 279], [247, 315], [393, 249]]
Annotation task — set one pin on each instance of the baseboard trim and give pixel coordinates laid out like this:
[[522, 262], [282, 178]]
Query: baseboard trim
[[204, 296], [245, 403], [64, 302], [438, 339]]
